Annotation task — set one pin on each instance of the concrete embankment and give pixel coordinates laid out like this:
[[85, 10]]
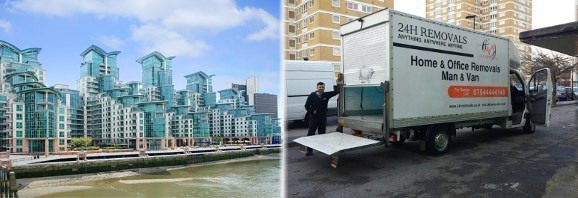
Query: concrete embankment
[[83, 167]]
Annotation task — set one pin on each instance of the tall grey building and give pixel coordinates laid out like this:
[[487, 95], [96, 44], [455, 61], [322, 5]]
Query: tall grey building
[[266, 103]]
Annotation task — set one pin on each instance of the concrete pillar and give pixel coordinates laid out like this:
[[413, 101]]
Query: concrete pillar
[[46, 148], [12, 178], [137, 147]]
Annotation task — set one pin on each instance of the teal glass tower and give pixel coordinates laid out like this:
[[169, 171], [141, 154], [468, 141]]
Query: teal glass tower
[[157, 71]]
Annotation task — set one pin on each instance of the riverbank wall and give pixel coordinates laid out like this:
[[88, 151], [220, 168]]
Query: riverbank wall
[[106, 165]]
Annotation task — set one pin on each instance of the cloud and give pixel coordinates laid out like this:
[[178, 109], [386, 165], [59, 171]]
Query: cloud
[[178, 18], [167, 42], [6, 26], [111, 42], [271, 30]]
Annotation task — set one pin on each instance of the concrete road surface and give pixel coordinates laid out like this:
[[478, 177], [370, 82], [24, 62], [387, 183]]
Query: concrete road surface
[[482, 163]]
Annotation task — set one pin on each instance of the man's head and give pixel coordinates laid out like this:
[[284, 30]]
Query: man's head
[[320, 87]]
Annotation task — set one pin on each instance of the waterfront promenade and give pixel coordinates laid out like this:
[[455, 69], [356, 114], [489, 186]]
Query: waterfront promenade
[[24, 160]]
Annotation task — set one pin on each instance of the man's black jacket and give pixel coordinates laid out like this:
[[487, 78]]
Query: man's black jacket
[[316, 106]]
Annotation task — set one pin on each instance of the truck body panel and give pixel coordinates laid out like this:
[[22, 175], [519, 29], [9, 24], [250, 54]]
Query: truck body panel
[[437, 72]]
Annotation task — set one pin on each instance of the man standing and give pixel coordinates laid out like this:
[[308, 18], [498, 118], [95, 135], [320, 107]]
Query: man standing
[[316, 107]]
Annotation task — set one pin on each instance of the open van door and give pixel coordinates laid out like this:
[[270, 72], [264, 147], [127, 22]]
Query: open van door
[[540, 103]]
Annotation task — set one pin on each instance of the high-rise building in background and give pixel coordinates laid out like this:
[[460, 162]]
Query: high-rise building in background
[[252, 85], [312, 26], [505, 18], [247, 90], [149, 115], [266, 103]]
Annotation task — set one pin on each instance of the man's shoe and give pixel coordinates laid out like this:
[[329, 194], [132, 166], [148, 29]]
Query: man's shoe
[[309, 154]]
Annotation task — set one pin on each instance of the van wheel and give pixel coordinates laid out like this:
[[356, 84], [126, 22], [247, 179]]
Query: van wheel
[[529, 127], [438, 141]]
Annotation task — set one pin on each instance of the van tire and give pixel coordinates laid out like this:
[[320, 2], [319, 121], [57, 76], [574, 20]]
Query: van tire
[[529, 127], [438, 141]]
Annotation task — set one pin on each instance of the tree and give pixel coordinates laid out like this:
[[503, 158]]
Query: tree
[[87, 141], [559, 64], [81, 142]]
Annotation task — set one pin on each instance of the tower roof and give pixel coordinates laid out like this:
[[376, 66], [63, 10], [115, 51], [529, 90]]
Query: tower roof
[[99, 51], [157, 54], [37, 50]]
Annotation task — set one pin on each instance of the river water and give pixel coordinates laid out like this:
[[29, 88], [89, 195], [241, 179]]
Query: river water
[[254, 178]]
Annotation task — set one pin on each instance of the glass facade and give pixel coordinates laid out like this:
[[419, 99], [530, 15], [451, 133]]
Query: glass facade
[[148, 114], [157, 71]]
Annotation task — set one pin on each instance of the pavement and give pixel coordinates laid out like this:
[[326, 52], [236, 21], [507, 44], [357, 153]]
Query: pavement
[[482, 163]]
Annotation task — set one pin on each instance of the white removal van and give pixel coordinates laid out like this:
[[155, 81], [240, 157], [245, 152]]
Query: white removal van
[[407, 77], [301, 78]]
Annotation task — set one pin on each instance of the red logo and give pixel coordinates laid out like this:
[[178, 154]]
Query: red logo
[[489, 50]]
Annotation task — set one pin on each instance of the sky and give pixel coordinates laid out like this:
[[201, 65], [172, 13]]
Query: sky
[[231, 39], [544, 12]]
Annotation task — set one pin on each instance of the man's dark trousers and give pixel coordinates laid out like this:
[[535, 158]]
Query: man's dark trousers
[[316, 122]]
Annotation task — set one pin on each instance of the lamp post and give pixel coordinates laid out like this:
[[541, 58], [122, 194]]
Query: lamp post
[[474, 17]]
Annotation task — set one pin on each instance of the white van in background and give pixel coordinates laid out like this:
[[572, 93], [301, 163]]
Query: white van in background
[[301, 78]]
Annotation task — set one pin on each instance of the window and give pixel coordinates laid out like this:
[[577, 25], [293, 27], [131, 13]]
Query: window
[[19, 125], [335, 18], [311, 3], [304, 24], [502, 30], [61, 134], [335, 3], [19, 116], [502, 6], [18, 133], [304, 39], [366, 9], [311, 19], [502, 22], [336, 51], [61, 118], [18, 107], [61, 110], [61, 142], [60, 126], [522, 8], [311, 35], [18, 142], [352, 6], [335, 35], [311, 52]]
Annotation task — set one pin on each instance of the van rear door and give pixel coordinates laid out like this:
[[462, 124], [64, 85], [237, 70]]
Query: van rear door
[[540, 103]]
